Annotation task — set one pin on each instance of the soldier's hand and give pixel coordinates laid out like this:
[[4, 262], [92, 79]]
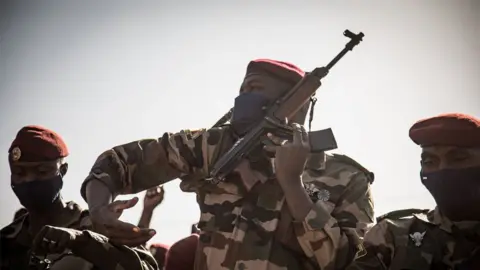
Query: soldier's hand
[[105, 219], [55, 240], [290, 156], [153, 197]]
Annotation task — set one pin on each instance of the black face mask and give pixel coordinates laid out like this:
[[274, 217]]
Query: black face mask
[[249, 108], [38, 195], [456, 192]]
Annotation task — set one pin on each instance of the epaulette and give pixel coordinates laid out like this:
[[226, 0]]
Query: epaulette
[[350, 161], [400, 214]]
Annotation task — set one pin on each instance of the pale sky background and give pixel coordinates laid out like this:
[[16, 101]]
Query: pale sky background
[[108, 73]]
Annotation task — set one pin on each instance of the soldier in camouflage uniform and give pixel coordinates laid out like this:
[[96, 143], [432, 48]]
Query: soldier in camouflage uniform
[[303, 212], [37, 165], [447, 237]]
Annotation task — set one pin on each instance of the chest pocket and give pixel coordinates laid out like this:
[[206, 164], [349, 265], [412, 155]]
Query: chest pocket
[[421, 254], [409, 258]]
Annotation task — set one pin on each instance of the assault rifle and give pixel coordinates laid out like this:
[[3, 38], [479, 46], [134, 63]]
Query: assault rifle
[[279, 114]]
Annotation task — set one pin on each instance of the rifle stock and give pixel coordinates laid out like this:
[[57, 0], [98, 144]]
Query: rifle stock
[[296, 97]]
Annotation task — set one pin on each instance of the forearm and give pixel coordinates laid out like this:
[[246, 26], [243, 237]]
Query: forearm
[[339, 244], [145, 218], [298, 201], [96, 249], [313, 224], [98, 194]]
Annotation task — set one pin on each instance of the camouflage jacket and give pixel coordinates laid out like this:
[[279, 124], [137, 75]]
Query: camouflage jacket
[[15, 245], [249, 227], [421, 240]]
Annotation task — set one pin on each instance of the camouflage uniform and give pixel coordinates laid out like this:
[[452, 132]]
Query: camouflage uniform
[[249, 229], [31, 156], [420, 240], [423, 239], [16, 244]]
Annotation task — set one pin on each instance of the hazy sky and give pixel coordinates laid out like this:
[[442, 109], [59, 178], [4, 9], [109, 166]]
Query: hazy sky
[[103, 74]]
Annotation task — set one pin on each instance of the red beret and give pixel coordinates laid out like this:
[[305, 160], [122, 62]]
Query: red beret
[[181, 255], [37, 144], [452, 129], [159, 251], [283, 70]]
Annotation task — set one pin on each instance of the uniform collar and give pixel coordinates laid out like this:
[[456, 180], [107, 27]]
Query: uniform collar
[[435, 217], [70, 214]]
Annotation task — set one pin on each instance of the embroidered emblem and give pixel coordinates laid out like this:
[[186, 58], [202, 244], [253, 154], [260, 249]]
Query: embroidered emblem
[[317, 194], [417, 238], [323, 195]]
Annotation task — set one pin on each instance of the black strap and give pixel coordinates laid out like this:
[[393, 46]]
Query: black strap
[[313, 100]]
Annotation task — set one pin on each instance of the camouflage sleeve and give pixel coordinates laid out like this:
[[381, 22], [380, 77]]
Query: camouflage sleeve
[[139, 165], [97, 250], [380, 246], [333, 230]]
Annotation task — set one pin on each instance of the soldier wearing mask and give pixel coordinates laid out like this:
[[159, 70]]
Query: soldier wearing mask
[[304, 212], [447, 237], [37, 165]]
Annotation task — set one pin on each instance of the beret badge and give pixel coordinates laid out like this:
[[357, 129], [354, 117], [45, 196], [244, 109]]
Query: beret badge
[[16, 154]]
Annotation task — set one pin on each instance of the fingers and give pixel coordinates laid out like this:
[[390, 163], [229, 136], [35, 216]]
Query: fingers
[[64, 241], [120, 205], [151, 192], [297, 134], [300, 135], [121, 227], [155, 191], [117, 234], [49, 240], [276, 140], [52, 242], [132, 242], [139, 238], [271, 148], [38, 241], [304, 135], [127, 234]]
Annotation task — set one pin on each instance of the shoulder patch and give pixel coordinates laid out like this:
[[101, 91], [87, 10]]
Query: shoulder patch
[[350, 161], [401, 214]]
